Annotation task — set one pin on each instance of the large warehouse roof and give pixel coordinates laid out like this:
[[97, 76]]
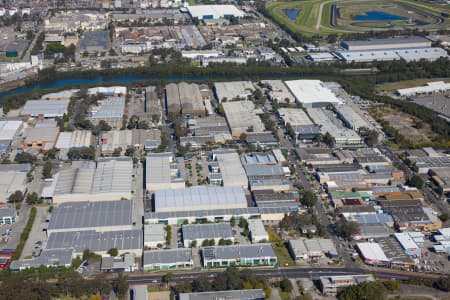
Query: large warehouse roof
[[430, 87], [8, 129], [233, 89], [231, 295], [96, 241], [309, 92], [74, 216], [47, 108], [389, 42], [74, 139], [159, 172], [198, 197], [214, 11], [207, 231], [233, 174], [165, 256], [241, 115], [238, 251], [112, 107], [372, 252], [112, 176], [294, 116]]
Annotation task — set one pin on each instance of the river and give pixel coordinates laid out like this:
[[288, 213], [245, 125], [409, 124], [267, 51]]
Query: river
[[58, 84]]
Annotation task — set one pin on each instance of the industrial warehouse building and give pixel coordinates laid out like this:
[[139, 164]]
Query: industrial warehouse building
[[162, 173], [210, 12], [201, 232], [388, 43], [342, 136], [372, 254], [267, 177], [154, 235], [233, 89], [124, 241], [238, 255], [13, 177], [408, 55], [184, 98], [110, 110], [50, 258], [257, 231], [9, 130], [312, 93], [242, 117], [45, 108], [230, 168], [311, 248], [115, 140], [167, 259], [108, 179], [219, 215], [8, 215], [100, 216], [199, 198], [430, 87], [255, 294], [77, 139], [41, 138], [352, 119]]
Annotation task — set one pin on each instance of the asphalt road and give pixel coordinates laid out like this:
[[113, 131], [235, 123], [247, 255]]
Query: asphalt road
[[310, 273]]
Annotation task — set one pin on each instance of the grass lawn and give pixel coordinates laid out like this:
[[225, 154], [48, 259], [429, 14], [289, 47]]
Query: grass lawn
[[393, 86], [306, 20], [284, 258]]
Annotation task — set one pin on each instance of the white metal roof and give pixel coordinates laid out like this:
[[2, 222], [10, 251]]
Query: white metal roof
[[48, 108], [406, 241], [217, 11], [311, 91], [436, 86], [8, 129], [372, 251]]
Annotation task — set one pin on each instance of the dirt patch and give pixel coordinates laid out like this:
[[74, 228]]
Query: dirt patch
[[412, 129]]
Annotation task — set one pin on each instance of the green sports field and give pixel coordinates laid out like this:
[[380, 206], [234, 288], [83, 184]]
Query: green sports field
[[333, 16]]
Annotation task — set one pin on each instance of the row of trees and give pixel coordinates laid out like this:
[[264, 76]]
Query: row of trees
[[68, 283]]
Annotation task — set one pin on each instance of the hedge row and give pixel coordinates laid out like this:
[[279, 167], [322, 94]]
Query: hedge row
[[25, 233]]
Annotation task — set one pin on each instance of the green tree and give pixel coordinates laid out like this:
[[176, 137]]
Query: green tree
[[47, 170], [233, 221], [168, 277], [16, 197], [416, 181], [113, 252], [286, 285], [443, 283], [309, 199], [346, 228], [32, 198], [25, 157], [121, 286]]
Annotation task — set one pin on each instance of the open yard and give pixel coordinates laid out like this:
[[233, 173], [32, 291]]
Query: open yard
[[411, 129], [393, 86], [311, 17]]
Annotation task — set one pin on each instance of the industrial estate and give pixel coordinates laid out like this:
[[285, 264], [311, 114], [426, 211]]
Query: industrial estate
[[305, 154]]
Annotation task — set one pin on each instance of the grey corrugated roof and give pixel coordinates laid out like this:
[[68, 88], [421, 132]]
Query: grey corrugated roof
[[387, 41], [199, 195], [97, 241], [229, 295], [220, 212], [77, 215], [54, 257], [238, 251], [169, 256], [207, 231], [263, 170]]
